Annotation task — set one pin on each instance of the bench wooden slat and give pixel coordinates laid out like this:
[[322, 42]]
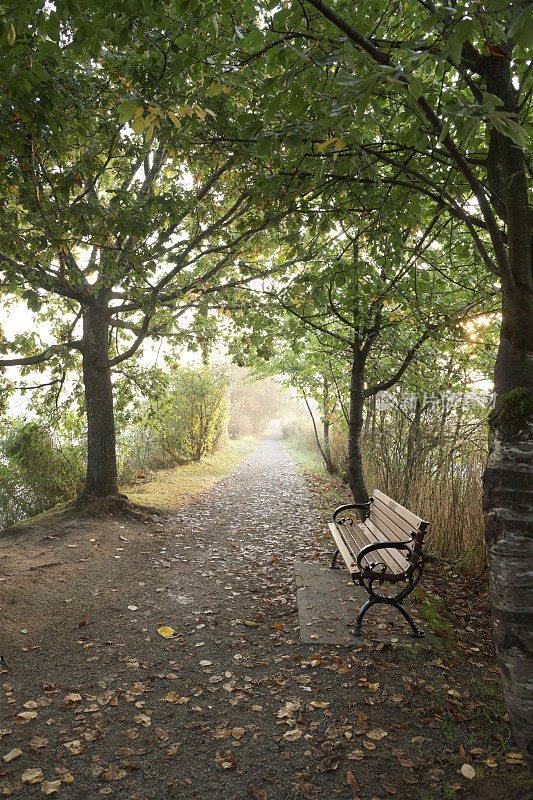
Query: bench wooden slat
[[347, 556], [356, 539], [396, 508], [394, 555], [358, 536], [400, 531], [399, 527]]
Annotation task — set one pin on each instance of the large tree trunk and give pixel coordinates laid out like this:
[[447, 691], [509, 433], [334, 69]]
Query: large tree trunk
[[101, 478], [508, 479], [508, 506], [355, 426]]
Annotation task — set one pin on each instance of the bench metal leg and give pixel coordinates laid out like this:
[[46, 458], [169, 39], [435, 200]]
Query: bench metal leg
[[359, 620], [333, 560], [396, 602], [415, 632], [418, 634]]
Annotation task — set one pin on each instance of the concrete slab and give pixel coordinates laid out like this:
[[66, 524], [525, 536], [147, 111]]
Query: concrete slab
[[328, 603]]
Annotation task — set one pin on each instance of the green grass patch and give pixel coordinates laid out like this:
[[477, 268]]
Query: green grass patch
[[308, 459], [169, 488]]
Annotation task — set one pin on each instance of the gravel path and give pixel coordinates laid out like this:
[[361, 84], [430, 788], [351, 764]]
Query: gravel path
[[234, 707]]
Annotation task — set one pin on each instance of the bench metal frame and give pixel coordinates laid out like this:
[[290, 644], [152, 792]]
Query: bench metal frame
[[411, 576]]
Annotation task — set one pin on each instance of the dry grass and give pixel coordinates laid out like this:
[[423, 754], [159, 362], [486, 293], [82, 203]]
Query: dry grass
[[450, 502]]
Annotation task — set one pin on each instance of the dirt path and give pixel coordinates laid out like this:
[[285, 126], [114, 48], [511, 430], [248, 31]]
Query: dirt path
[[234, 707]]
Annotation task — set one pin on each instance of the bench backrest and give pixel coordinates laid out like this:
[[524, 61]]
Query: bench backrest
[[397, 522]]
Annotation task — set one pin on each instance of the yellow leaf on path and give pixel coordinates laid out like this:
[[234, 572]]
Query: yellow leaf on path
[[166, 632], [32, 776], [49, 787]]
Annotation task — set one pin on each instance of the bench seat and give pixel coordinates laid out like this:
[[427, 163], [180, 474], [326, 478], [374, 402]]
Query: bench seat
[[385, 546]]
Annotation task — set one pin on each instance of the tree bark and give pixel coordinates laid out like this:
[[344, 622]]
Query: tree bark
[[508, 478], [326, 425], [412, 451], [327, 447], [508, 507], [355, 426], [101, 478]]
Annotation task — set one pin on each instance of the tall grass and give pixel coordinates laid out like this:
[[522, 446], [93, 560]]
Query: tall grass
[[431, 461]]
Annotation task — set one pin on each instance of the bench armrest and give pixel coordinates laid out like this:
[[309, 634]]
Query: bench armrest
[[370, 548], [338, 510]]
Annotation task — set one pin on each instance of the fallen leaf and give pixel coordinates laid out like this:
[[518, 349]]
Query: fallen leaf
[[356, 755], [328, 764], [389, 787], [259, 794], [73, 747], [32, 776], [113, 773], [12, 755], [175, 697], [72, 697], [352, 783], [49, 787], [36, 742], [221, 733], [293, 735], [25, 717], [468, 771], [377, 733], [166, 632]]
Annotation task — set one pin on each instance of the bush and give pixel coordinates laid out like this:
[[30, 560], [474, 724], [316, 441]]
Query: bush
[[187, 419], [35, 474]]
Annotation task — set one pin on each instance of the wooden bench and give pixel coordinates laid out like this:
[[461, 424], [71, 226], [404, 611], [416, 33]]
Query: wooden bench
[[385, 547]]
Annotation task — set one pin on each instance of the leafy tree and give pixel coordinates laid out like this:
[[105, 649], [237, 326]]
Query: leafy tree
[[435, 99], [371, 309], [118, 209]]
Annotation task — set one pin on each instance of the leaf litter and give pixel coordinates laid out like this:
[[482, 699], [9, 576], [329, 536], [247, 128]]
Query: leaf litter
[[262, 710]]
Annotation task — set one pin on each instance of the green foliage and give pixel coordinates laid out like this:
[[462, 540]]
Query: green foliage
[[35, 474], [185, 417]]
